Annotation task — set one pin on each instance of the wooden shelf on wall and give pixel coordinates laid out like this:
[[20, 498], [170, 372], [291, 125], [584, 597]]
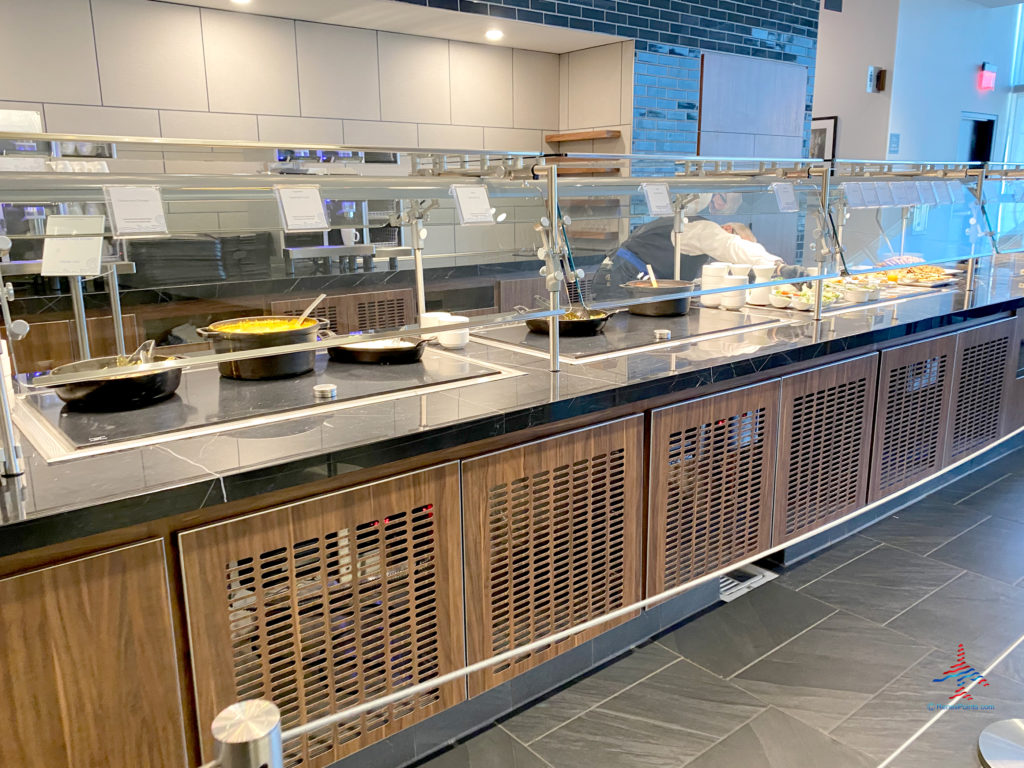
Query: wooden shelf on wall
[[601, 133]]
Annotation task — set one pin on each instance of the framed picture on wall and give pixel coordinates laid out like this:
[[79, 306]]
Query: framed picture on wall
[[823, 137]]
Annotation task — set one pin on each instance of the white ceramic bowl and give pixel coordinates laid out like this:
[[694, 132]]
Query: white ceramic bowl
[[874, 294], [740, 269], [454, 339], [779, 301], [856, 294], [428, 319], [800, 305]]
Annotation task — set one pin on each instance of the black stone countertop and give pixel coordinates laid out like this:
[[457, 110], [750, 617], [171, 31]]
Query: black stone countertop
[[79, 497]]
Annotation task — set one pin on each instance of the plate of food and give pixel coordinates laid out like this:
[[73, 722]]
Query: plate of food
[[923, 275]]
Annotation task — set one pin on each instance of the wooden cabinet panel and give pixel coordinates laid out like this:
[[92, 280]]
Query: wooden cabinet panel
[[910, 435], [1015, 410], [979, 409], [54, 343], [328, 603], [348, 312], [553, 534], [824, 445], [712, 467], [89, 669], [520, 292]]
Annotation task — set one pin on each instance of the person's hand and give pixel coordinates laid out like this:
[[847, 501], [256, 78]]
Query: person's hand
[[791, 272]]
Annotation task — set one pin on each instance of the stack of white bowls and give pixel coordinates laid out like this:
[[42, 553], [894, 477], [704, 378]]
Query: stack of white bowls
[[735, 299], [713, 276]]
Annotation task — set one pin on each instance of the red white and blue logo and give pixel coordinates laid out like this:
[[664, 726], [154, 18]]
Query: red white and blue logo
[[963, 674]]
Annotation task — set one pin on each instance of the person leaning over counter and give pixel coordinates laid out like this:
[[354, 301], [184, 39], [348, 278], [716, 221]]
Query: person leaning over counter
[[701, 241]]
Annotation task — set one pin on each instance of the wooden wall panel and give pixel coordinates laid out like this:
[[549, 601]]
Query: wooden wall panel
[[982, 385], [328, 603], [712, 465], [88, 672], [553, 533], [824, 445], [54, 343], [910, 435]]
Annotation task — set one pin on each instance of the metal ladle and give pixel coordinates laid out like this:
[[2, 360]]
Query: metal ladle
[[144, 354], [310, 308]]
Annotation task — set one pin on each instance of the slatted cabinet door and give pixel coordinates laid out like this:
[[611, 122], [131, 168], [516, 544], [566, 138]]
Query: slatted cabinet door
[[328, 603], [553, 532], [88, 667], [712, 467], [349, 312], [1015, 412], [914, 384], [981, 387], [824, 445]]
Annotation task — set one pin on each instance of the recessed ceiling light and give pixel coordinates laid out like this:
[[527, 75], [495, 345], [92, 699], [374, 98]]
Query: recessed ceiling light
[[241, 2], [494, 34]]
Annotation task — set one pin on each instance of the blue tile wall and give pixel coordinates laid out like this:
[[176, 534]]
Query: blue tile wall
[[670, 36]]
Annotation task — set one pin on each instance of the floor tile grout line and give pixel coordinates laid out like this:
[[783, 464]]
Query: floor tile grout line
[[984, 487], [916, 602], [606, 699], [943, 544], [787, 642], [662, 645], [670, 726], [798, 589], [730, 733], [931, 649], [525, 745]]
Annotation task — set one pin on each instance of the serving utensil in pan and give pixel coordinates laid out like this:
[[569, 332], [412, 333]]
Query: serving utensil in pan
[[260, 332], [573, 323], [377, 352], [118, 394]]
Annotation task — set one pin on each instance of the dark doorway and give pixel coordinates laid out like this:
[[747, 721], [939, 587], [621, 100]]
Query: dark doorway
[[977, 132]]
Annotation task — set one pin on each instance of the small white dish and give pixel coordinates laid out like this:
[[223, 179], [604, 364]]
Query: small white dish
[[428, 319], [797, 304], [856, 294], [456, 339], [740, 269], [779, 301]]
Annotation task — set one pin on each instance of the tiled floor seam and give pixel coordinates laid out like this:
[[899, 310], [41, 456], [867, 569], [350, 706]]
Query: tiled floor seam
[[958, 502], [604, 700], [524, 745], [787, 642], [745, 723], [965, 530], [663, 724], [822, 576], [951, 580], [662, 645]]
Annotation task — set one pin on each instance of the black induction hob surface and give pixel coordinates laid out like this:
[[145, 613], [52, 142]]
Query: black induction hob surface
[[205, 398]]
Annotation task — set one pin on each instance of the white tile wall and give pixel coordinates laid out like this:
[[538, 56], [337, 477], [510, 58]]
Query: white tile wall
[[250, 63], [481, 84], [309, 130], [513, 139], [208, 125], [369, 133], [454, 136], [150, 54], [338, 71], [414, 79], [114, 121], [49, 44], [535, 89], [591, 73]]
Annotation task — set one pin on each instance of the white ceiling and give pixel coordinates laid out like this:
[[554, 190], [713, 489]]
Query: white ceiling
[[392, 16]]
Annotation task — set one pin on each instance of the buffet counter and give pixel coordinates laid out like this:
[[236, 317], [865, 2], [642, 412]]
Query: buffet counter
[[451, 506]]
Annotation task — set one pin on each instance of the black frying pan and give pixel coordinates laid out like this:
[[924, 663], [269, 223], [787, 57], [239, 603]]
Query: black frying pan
[[121, 394], [568, 327], [411, 351]]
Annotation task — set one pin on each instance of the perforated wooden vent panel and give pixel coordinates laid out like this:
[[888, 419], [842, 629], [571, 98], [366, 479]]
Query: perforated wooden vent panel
[[712, 464], [381, 313], [328, 310], [910, 422], [319, 613], [824, 445], [552, 541], [980, 389]]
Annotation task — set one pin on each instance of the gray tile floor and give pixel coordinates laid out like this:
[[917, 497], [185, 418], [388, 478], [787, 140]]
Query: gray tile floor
[[832, 664]]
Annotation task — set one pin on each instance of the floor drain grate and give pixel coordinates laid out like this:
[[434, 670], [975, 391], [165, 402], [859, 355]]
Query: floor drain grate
[[742, 580]]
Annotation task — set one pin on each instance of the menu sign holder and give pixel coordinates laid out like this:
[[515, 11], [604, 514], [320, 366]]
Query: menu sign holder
[[659, 200], [135, 210], [472, 203], [785, 197], [302, 208], [73, 246]]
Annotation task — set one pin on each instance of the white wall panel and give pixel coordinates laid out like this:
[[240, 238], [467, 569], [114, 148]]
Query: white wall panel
[[534, 89], [414, 79], [308, 130], [116, 121], [451, 136], [250, 63], [208, 125], [594, 86], [513, 139], [481, 84], [50, 44], [338, 71], [371, 133], [150, 55]]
